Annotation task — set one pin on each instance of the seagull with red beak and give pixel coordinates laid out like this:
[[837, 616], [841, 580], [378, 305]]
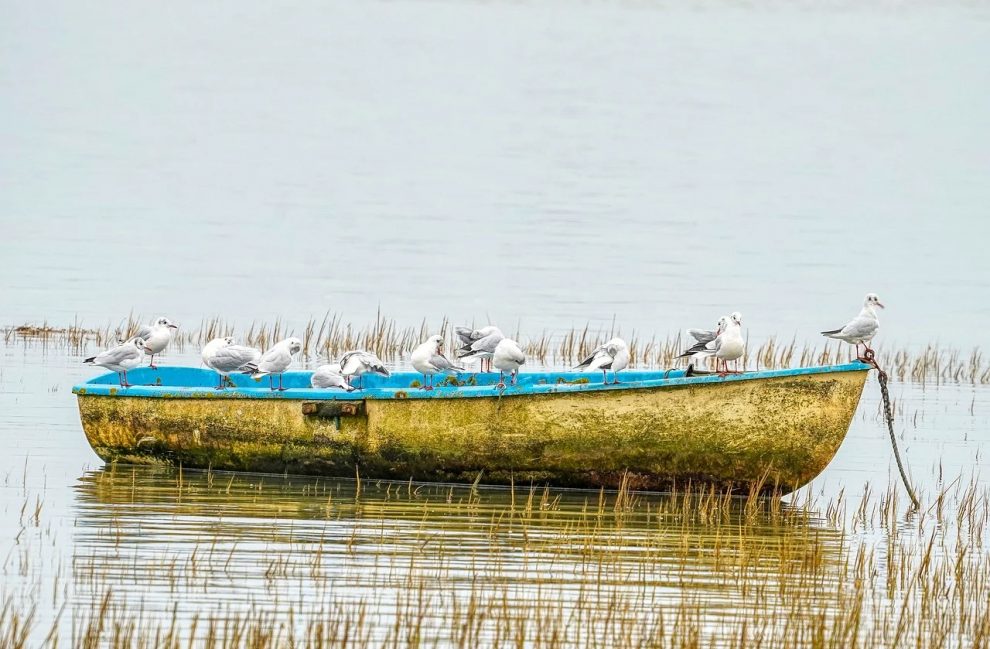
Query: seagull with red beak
[[157, 337], [861, 329]]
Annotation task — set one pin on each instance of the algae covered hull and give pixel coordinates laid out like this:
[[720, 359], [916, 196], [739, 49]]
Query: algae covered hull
[[773, 428]]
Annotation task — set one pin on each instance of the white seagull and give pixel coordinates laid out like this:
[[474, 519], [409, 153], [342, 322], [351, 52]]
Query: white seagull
[[358, 363], [224, 357], [328, 376], [119, 359], [727, 346], [275, 361], [711, 344], [613, 355], [478, 344], [428, 359], [861, 329], [507, 357], [156, 337]]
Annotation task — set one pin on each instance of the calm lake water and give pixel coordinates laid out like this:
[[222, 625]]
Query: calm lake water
[[532, 162], [542, 165]]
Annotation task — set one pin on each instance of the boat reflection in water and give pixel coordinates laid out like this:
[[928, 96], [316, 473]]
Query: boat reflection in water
[[466, 564]]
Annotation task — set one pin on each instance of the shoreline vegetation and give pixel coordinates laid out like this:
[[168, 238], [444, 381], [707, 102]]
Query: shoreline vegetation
[[388, 564], [330, 337]]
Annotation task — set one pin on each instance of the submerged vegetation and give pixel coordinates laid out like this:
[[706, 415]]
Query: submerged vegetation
[[166, 558], [331, 337]]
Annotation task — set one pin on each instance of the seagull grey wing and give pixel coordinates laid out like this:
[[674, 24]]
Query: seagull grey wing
[[697, 348], [702, 335], [348, 355], [118, 354], [591, 358], [144, 331], [861, 327], [234, 357], [487, 343], [466, 335], [375, 364], [442, 363], [276, 360]]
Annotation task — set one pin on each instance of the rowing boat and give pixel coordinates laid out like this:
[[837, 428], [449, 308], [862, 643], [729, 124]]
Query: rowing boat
[[774, 429]]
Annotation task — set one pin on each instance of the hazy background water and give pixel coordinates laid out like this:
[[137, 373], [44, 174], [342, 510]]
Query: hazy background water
[[542, 163], [549, 163]]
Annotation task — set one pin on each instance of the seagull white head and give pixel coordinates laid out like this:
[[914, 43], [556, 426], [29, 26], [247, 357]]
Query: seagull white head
[[436, 340], [736, 317], [294, 345], [872, 299], [138, 342], [165, 322], [615, 345], [228, 340]]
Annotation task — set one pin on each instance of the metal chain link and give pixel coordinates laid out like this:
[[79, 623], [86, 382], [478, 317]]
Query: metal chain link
[[869, 358]]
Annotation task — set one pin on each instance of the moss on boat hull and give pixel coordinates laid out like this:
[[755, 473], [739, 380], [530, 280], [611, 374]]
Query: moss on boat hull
[[776, 431]]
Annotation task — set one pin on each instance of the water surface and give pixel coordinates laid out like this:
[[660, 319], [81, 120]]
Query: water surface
[[542, 165]]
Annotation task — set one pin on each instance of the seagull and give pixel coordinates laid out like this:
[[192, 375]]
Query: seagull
[[225, 357], [428, 359], [328, 376], [119, 359], [727, 346], [156, 337], [275, 361], [613, 355], [479, 344], [507, 357], [861, 329], [358, 363], [704, 336]]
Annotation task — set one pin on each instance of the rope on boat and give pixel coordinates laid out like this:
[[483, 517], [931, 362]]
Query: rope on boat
[[870, 359]]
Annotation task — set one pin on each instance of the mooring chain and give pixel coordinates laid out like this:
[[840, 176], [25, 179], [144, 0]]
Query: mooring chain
[[869, 358]]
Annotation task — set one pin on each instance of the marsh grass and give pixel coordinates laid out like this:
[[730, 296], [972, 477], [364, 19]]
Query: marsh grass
[[171, 558], [329, 337]]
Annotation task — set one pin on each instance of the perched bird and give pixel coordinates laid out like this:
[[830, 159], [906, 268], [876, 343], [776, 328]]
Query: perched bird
[[224, 357], [358, 363], [328, 376], [861, 329], [704, 336], [478, 344], [274, 361], [156, 337], [613, 355], [428, 359], [119, 359], [507, 357], [727, 346]]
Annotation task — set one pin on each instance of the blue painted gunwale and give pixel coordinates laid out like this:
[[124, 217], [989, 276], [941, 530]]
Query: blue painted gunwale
[[192, 383]]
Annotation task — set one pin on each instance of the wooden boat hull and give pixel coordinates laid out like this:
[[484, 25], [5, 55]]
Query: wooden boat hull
[[771, 430]]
